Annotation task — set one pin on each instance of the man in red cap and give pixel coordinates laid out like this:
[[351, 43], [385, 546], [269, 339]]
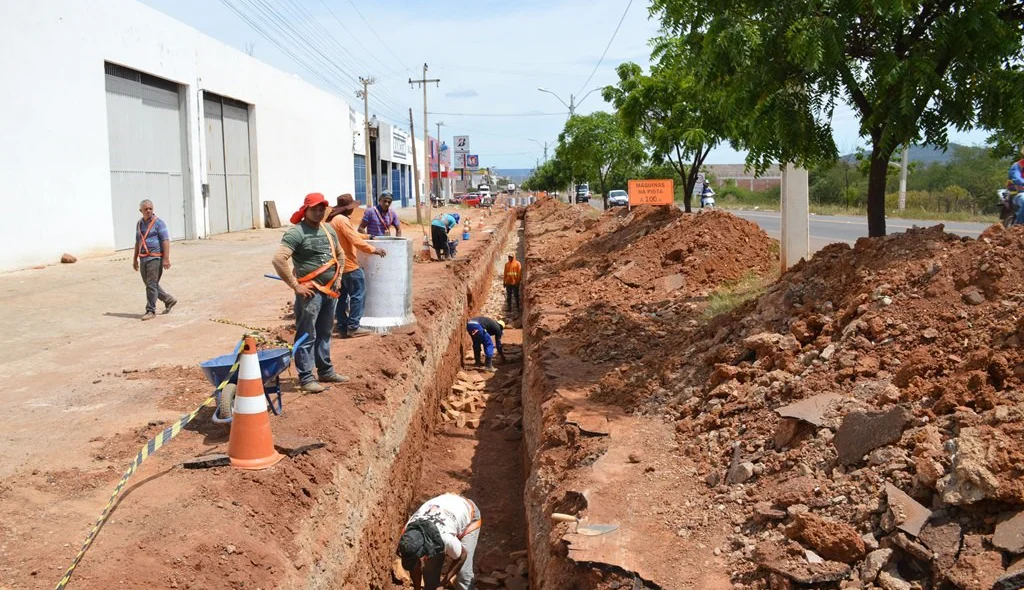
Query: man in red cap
[[313, 249], [353, 283]]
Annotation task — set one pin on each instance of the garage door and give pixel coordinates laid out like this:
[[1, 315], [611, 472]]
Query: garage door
[[227, 164], [144, 128]]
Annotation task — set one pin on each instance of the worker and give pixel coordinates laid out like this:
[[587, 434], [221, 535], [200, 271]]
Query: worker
[[353, 282], [513, 275], [152, 257], [486, 334], [312, 247], [379, 219], [439, 228], [447, 526]]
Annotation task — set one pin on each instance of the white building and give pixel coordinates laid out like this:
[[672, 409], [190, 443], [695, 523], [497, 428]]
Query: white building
[[108, 103]]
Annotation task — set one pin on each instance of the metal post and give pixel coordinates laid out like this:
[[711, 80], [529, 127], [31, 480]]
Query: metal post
[[795, 232]]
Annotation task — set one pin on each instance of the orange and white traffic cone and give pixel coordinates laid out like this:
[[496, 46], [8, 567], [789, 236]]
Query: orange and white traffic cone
[[251, 444]]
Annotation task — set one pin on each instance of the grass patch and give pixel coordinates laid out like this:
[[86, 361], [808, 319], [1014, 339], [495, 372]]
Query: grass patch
[[906, 214], [735, 293]]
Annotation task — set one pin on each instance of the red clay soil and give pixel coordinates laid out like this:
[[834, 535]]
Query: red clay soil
[[329, 518], [604, 293]]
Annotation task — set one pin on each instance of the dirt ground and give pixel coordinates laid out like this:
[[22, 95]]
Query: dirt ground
[[90, 383]]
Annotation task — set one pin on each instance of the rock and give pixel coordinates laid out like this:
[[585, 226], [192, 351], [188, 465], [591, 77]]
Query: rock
[[908, 515], [972, 296], [811, 409], [293, 446], [832, 539], [1012, 578], [398, 573], [870, 542], [713, 479], [943, 540], [930, 335], [892, 581], [740, 473], [68, 259], [787, 431], [1009, 533], [812, 557], [911, 548], [764, 513], [862, 432], [873, 564], [671, 283], [976, 571], [928, 471], [797, 490], [633, 458], [828, 352], [789, 560], [969, 479]]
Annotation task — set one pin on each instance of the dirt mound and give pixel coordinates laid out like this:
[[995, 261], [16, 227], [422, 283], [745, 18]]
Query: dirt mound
[[876, 388]]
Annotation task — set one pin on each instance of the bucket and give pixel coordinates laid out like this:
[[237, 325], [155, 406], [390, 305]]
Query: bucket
[[388, 301]]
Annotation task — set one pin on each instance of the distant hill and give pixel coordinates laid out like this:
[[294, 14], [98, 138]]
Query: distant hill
[[924, 154], [515, 175]]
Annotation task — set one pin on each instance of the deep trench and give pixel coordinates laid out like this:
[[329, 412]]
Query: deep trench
[[485, 463]]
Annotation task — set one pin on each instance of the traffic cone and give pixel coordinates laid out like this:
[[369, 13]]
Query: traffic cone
[[251, 444]]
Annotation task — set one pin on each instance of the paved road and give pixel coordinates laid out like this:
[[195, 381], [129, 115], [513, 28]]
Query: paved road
[[828, 229]]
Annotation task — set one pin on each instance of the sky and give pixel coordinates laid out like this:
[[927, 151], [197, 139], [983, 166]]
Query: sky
[[490, 61]]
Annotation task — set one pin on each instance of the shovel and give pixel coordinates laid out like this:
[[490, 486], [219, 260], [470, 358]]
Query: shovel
[[587, 530]]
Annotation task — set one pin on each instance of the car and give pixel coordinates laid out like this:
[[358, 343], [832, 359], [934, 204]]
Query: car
[[472, 199], [583, 193], [618, 198]]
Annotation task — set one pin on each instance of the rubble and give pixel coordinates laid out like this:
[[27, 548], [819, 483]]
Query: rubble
[[862, 432], [908, 514]]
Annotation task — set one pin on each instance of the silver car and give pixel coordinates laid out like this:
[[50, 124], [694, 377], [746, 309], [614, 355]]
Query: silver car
[[618, 198]]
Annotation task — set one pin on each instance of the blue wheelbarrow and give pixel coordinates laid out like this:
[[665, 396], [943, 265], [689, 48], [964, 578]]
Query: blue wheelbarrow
[[273, 362]]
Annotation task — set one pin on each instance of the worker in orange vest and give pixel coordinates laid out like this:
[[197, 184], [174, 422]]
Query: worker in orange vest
[[513, 275]]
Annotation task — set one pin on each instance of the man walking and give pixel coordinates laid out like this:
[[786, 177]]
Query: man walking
[[353, 283], [379, 219], [152, 256], [312, 247], [513, 275], [447, 526], [486, 334]]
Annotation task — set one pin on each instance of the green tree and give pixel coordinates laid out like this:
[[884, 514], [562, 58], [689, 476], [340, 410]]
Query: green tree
[[909, 68], [552, 175], [677, 117], [595, 146]]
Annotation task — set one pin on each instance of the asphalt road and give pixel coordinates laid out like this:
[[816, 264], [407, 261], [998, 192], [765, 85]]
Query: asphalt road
[[828, 229]]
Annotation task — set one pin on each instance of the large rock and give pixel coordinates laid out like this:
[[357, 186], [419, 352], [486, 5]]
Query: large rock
[[942, 539], [1010, 534], [872, 566], [831, 539], [862, 432], [790, 560], [68, 259], [976, 571], [811, 409], [907, 513], [986, 465]]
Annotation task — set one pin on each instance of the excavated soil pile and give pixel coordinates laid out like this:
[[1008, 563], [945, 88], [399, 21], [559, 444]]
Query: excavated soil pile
[[862, 422]]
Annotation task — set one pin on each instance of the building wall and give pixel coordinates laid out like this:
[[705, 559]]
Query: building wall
[[54, 160]]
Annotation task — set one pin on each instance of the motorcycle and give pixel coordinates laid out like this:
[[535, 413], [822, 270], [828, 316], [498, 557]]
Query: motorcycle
[[1007, 207]]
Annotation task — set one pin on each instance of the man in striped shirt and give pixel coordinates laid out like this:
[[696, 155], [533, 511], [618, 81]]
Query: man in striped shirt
[[379, 219]]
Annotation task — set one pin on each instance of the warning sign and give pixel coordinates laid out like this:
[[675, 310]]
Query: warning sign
[[651, 192]]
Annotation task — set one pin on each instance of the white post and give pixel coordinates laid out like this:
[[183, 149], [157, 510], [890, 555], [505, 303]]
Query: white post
[[905, 162], [795, 231]]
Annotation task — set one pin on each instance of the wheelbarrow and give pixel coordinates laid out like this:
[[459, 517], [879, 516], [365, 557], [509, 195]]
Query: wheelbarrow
[[273, 362]]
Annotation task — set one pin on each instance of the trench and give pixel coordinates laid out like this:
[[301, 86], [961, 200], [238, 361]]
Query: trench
[[477, 450]]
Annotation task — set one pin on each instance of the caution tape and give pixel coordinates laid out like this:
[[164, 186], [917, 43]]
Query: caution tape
[[255, 331], [145, 452]]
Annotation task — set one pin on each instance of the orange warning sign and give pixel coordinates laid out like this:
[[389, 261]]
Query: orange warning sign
[[651, 192]]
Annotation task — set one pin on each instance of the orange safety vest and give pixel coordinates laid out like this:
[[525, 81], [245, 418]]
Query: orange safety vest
[[337, 271], [513, 272], [143, 247]]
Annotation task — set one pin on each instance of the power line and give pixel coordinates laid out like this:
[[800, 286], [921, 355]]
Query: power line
[[607, 47], [350, 33], [369, 26], [498, 114]]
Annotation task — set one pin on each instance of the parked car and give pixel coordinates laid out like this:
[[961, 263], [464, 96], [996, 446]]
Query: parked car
[[583, 193], [472, 200], [618, 198]]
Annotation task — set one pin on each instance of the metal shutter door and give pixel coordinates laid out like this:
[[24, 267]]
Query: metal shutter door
[[217, 200], [236, 164], [144, 130]]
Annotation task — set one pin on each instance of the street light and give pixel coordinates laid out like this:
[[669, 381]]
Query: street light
[[573, 103], [543, 145]]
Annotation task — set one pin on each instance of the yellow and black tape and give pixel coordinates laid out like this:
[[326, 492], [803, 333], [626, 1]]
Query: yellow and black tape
[[144, 453], [254, 331]]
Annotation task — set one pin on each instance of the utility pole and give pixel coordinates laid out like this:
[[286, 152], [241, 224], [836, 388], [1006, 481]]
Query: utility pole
[[416, 174], [426, 134], [365, 95], [440, 183], [545, 152], [903, 177]]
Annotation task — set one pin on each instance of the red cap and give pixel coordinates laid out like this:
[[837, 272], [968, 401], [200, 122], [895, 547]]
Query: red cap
[[312, 200]]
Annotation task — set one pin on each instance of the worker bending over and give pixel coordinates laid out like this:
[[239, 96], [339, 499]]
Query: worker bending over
[[486, 334], [447, 526]]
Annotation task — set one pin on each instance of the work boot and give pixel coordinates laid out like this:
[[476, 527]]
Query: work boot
[[312, 387], [489, 367], [148, 316], [333, 378], [359, 332], [169, 305]]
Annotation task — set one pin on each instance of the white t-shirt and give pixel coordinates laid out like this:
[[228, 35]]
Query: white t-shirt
[[451, 514]]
